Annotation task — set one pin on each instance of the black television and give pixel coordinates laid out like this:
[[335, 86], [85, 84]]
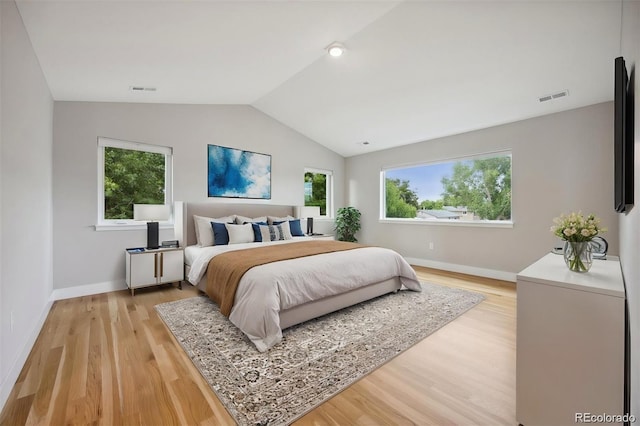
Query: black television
[[623, 138]]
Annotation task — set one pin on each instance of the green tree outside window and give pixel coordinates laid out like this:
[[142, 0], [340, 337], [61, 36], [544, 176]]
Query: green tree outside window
[[131, 177], [316, 191], [481, 185]]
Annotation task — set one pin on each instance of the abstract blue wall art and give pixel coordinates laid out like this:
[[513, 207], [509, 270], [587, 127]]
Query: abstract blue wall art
[[235, 173]]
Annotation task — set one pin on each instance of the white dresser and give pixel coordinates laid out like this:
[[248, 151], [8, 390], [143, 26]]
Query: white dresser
[[570, 342]]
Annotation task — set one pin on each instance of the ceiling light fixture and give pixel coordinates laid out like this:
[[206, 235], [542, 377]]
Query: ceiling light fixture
[[335, 49]]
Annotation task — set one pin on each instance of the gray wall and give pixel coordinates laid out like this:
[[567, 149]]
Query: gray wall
[[630, 222], [84, 256], [561, 163], [3, 319], [25, 197]]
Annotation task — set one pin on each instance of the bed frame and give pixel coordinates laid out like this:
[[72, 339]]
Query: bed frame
[[186, 235]]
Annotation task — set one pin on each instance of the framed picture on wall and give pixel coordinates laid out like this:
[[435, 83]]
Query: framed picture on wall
[[234, 173]]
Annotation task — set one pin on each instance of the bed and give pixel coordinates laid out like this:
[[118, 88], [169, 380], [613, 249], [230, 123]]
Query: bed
[[298, 289]]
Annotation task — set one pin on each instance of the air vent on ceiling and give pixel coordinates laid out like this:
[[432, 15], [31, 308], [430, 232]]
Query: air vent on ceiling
[[552, 96], [142, 89]]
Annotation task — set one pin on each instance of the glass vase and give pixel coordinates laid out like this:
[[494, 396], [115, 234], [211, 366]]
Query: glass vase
[[577, 255]]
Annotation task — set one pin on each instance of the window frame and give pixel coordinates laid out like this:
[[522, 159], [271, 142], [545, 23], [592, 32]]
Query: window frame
[[485, 223], [103, 224], [328, 190]]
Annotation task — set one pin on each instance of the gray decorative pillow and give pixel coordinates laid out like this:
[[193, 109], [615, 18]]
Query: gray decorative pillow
[[243, 219], [272, 219]]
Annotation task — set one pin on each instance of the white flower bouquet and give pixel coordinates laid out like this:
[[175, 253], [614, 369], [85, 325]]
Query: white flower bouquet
[[577, 231], [576, 227]]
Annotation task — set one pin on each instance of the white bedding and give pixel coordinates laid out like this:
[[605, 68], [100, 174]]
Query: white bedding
[[191, 253], [267, 289]]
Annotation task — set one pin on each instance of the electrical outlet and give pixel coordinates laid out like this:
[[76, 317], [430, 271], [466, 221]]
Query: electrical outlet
[[431, 245], [11, 322]]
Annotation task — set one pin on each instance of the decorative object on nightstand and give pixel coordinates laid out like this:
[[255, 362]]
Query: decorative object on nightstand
[[152, 214], [146, 268], [577, 231], [170, 244], [599, 247], [308, 212], [323, 237], [347, 224]]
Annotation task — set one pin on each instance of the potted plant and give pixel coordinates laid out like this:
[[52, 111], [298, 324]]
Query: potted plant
[[347, 224]]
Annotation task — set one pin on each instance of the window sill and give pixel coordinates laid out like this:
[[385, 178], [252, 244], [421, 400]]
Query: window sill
[[449, 222], [127, 226]]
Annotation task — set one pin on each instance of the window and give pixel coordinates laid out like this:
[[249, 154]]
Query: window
[[318, 190], [131, 173], [472, 190]]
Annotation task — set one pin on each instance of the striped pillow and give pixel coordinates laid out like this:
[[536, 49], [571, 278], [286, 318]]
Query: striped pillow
[[275, 232]]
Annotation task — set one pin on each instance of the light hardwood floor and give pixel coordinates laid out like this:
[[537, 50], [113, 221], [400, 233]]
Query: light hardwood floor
[[108, 359]]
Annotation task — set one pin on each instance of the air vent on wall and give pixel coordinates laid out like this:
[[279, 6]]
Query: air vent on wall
[[558, 95], [142, 89]]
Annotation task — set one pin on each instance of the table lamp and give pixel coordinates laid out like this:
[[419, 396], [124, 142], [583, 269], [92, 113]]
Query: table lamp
[[309, 212], [152, 214]]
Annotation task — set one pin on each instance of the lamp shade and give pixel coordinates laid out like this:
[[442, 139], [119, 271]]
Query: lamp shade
[[308, 211], [151, 212]]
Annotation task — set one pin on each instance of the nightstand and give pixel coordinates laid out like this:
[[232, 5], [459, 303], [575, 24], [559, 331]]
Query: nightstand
[[148, 267], [323, 237]]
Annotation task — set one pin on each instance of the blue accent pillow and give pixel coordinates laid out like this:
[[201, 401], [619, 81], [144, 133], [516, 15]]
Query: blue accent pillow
[[257, 236], [296, 229], [220, 234]]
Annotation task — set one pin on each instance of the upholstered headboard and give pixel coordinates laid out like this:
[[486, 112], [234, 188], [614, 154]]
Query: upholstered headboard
[[185, 231]]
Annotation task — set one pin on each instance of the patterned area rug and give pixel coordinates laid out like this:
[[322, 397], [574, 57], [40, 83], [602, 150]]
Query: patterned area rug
[[316, 359]]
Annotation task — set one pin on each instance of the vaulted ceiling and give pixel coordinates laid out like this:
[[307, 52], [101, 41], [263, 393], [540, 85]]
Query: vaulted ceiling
[[412, 71]]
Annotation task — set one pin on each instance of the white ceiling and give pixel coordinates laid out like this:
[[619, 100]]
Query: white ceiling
[[413, 70]]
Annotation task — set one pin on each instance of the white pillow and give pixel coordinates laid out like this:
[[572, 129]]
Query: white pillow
[[275, 232], [240, 233], [271, 219], [243, 219], [204, 231]]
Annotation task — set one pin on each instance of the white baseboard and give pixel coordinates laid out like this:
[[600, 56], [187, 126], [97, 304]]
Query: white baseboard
[[87, 290], [10, 380], [463, 269]]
